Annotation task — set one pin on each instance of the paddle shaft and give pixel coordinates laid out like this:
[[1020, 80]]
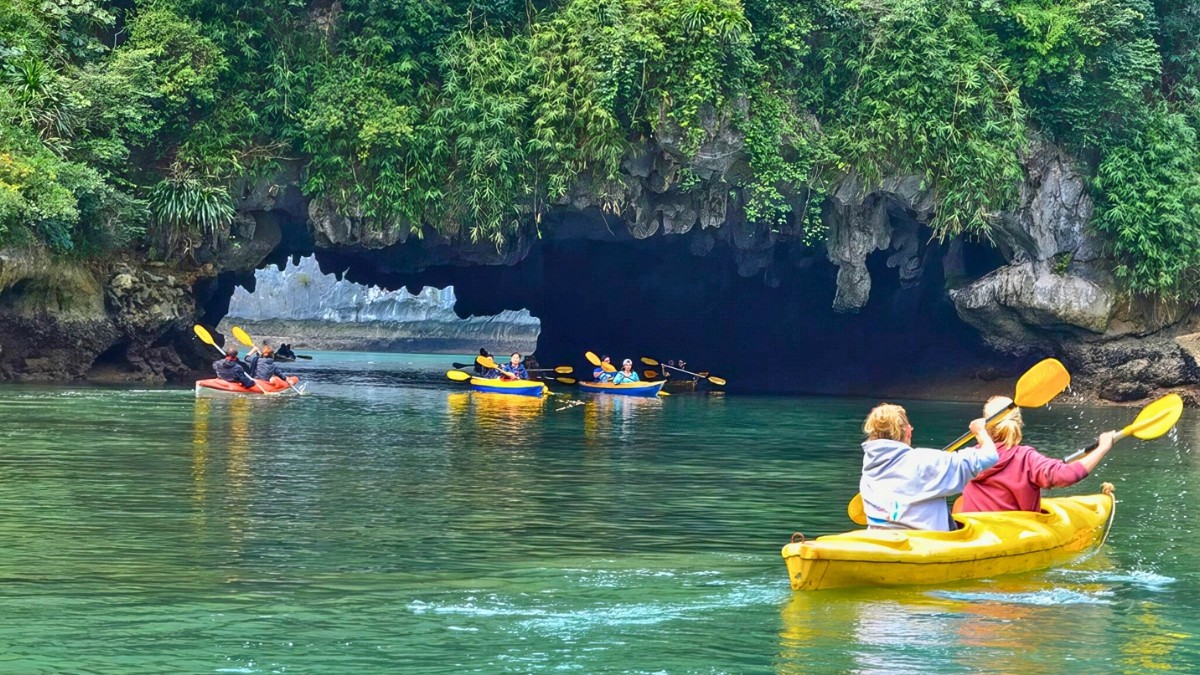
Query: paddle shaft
[[714, 380], [1124, 433], [681, 370], [991, 422]]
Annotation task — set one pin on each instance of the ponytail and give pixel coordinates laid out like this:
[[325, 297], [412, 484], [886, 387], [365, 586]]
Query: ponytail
[[1007, 432]]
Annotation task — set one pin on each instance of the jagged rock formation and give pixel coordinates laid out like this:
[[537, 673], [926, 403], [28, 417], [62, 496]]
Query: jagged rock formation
[[302, 305]]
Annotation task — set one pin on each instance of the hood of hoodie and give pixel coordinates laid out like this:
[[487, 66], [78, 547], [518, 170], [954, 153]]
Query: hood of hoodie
[[879, 454]]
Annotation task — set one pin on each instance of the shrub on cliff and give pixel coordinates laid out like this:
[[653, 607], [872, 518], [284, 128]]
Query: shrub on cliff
[[474, 118], [1149, 207]]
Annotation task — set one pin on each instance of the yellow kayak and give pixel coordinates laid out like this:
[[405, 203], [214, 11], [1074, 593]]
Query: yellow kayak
[[986, 545]]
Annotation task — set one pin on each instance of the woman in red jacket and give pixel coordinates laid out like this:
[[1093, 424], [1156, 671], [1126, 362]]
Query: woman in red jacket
[[1016, 482]]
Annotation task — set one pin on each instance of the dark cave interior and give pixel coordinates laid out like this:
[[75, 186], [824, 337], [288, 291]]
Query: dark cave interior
[[773, 332]]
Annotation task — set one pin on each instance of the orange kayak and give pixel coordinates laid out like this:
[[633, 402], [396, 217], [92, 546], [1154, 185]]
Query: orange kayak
[[218, 387]]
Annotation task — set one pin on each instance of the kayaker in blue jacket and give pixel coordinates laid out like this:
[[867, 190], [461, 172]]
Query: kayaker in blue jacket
[[625, 374], [262, 365], [230, 369], [599, 375], [513, 370], [905, 488]]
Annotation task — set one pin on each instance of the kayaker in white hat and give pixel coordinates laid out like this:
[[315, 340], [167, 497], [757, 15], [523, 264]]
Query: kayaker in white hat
[[625, 374]]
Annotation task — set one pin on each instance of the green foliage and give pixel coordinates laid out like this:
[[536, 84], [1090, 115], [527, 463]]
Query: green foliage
[[189, 209], [474, 117], [1179, 43], [1149, 209], [184, 65], [64, 205], [1086, 65], [916, 86], [788, 155]]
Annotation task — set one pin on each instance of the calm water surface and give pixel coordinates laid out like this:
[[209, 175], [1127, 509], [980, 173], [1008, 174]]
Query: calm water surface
[[390, 521]]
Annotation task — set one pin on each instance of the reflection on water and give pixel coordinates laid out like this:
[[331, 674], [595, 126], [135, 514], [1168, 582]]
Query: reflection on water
[[1153, 640], [392, 522], [619, 419]]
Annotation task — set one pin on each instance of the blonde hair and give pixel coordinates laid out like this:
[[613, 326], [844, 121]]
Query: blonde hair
[[886, 421], [1007, 432]]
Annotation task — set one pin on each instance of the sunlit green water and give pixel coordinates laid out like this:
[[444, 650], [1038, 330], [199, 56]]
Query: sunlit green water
[[392, 522]]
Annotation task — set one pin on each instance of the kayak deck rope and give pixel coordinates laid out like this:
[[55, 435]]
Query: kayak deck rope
[[1107, 488]]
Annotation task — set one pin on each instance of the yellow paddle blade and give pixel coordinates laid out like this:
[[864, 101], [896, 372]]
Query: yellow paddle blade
[[855, 510], [592, 358], [1156, 419], [458, 375], [720, 382], [649, 361], [662, 393], [487, 362], [564, 370], [608, 367], [204, 335], [1041, 383], [565, 380], [650, 373], [242, 337]]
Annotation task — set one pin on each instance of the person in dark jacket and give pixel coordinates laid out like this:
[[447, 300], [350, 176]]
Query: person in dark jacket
[[480, 370], [601, 375], [262, 365], [230, 369]]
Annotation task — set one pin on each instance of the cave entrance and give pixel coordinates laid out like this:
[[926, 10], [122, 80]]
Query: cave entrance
[[773, 331]]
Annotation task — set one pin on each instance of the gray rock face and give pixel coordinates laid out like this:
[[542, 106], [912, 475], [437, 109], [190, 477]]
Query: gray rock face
[[1014, 306], [65, 321], [855, 231], [1054, 212], [301, 304], [1055, 279], [859, 222], [1058, 296], [348, 227]]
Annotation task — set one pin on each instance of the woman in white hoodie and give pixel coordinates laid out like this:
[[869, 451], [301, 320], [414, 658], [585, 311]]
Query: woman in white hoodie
[[905, 487]]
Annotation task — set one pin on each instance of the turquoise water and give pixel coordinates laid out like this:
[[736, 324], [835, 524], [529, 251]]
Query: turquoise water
[[391, 522]]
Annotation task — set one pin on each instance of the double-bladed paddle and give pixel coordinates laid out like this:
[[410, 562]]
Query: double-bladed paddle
[[207, 338], [720, 382], [1037, 387], [561, 370], [595, 361], [1155, 420]]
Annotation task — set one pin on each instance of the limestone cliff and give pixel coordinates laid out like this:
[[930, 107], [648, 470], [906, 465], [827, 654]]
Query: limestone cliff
[[1046, 289]]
